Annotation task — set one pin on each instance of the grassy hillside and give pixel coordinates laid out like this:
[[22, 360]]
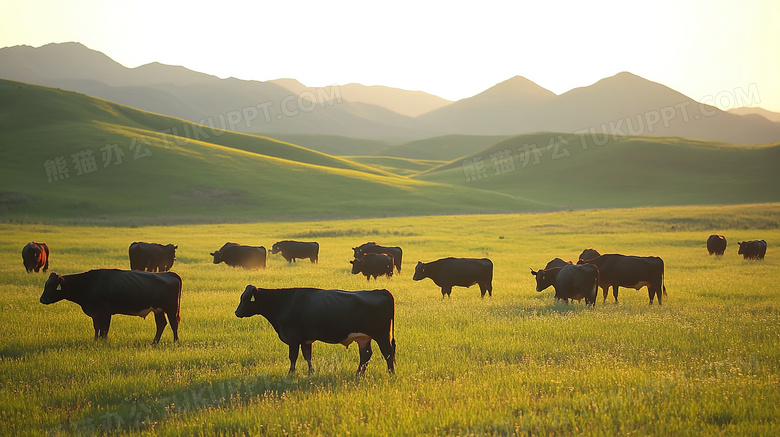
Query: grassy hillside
[[399, 166], [578, 171], [707, 362], [443, 148], [201, 174]]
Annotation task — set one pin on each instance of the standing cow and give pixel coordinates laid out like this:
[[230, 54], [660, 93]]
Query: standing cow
[[571, 281], [716, 244], [617, 270], [753, 249], [297, 249], [105, 292], [371, 247], [35, 257], [151, 257], [461, 272], [373, 264], [302, 316], [238, 255]]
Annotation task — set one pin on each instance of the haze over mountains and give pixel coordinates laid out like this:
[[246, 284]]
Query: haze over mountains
[[623, 104]]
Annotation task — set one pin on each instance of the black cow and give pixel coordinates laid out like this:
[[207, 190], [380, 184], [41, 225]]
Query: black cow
[[373, 264], [297, 249], [589, 254], [753, 249], [35, 257], [105, 292], [371, 247], [152, 257], [461, 272], [631, 272], [716, 244], [572, 281], [238, 255], [302, 316], [556, 262]]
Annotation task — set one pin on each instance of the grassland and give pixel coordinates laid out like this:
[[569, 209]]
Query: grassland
[[707, 362]]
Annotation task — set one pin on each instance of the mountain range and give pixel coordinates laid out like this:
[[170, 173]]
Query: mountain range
[[622, 105]]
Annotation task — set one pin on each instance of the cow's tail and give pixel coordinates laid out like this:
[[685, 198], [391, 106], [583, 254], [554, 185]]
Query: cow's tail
[[664, 288], [178, 303]]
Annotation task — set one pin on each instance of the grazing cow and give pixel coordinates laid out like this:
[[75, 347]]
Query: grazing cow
[[152, 257], [373, 264], [556, 262], [589, 254], [371, 247], [238, 255], [302, 316], [753, 249], [461, 272], [631, 272], [105, 292], [297, 249], [571, 281], [35, 257], [716, 244]]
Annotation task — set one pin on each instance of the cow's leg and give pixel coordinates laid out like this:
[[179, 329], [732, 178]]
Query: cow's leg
[[306, 349], [365, 354], [447, 290], [105, 323], [96, 325], [606, 293], [653, 291], [159, 319], [174, 325], [388, 352], [615, 292], [293, 358]]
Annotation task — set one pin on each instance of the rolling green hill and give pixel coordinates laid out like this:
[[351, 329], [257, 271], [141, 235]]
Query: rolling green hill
[[69, 156], [569, 170]]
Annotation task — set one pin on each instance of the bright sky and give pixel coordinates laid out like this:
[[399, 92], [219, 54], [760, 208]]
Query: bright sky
[[706, 49]]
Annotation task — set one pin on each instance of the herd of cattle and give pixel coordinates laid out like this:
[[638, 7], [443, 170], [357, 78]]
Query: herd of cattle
[[302, 316]]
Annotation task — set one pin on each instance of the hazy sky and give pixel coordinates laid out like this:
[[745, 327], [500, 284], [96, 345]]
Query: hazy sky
[[704, 49]]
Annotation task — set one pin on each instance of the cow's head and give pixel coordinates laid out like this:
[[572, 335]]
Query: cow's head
[[544, 279], [743, 245], [276, 248], [52, 290], [217, 257], [357, 265], [248, 306], [419, 272]]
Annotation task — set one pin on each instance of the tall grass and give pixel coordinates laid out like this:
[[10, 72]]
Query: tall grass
[[706, 362]]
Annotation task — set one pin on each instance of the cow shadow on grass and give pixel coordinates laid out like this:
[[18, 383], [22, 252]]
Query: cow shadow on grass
[[123, 412]]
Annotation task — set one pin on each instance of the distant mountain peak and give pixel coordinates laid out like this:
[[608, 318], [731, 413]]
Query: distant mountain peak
[[514, 89]]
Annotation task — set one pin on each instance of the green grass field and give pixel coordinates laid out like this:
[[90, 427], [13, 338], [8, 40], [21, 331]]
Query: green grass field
[[707, 362]]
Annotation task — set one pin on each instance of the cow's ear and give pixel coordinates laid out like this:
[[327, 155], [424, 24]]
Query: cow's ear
[[176, 246], [533, 272], [212, 253]]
